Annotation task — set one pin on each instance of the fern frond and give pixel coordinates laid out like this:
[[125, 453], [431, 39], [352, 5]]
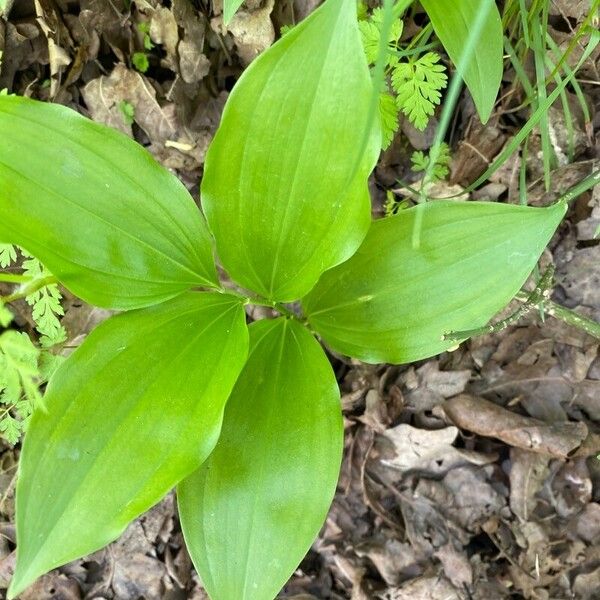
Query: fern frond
[[418, 84]]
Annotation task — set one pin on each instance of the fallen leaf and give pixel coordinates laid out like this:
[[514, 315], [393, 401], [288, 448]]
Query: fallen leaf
[[252, 31], [424, 588], [528, 472], [488, 419]]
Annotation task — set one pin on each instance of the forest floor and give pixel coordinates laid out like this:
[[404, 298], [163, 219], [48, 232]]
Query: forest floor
[[472, 475]]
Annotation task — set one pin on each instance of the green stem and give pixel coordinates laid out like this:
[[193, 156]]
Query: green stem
[[29, 288], [14, 278], [260, 301], [568, 316]]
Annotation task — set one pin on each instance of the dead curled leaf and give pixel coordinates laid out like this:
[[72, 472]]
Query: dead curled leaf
[[528, 471], [429, 451], [490, 420]]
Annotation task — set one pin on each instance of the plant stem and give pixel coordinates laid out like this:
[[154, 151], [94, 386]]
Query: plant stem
[[29, 288], [14, 278], [567, 315]]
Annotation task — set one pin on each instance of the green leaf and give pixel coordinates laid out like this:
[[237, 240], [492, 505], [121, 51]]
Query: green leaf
[[418, 84], [8, 255], [420, 162], [251, 512], [134, 410], [116, 228], [393, 303], [229, 9], [388, 114], [370, 32], [453, 23], [284, 188]]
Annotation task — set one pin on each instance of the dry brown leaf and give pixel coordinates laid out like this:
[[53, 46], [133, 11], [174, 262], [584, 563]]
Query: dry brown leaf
[[424, 588], [52, 586], [488, 419], [528, 472], [252, 31], [428, 386], [430, 451]]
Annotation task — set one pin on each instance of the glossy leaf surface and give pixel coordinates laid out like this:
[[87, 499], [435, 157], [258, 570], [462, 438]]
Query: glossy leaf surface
[[393, 303], [251, 512], [453, 23], [115, 227], [132, 412], [284, 187]]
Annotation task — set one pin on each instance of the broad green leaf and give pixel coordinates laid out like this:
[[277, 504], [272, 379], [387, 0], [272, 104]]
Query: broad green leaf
[[393, 303], [134, 410], [251, 512], [115, 227], [229, 9], [284, 188], [453, 23]]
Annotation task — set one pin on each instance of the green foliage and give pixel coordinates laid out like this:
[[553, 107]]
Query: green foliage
[[480, 64], [417, 84], [388, 114], [320, 220], [416, 81], [258, 500], [139, 407], [128, 111], [46, 305], [229, 8], [393, 303], [140, 61], [169, 252], [8, 254], [19, 380], [420, 162], [370, 31]]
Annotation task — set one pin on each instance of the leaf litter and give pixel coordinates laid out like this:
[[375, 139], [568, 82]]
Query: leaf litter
[[470, 476]]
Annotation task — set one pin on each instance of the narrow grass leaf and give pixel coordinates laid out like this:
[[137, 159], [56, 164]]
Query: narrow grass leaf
[[251, 512], [393, 303], [134, 410], [115, 227]]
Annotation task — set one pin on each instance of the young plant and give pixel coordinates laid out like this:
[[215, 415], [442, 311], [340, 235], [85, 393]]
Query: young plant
[[177, 390]]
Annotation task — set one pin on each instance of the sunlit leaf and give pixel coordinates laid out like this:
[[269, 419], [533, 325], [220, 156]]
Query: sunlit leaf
[[284, 188], [251, 512], [393, 303], [133, 411], [113, 225], [453, 23]]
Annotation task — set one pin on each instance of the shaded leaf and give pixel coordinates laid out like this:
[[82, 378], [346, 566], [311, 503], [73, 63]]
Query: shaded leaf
[[132, 412], [284, 189], [393, 303], [116, 228], [453, 23], [250, 514]]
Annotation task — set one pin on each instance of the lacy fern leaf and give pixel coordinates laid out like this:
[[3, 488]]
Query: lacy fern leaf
[[441, 168], [19, 383], [370, 30], [388, 114], [418, 84], [45, 303], [8, 255]]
